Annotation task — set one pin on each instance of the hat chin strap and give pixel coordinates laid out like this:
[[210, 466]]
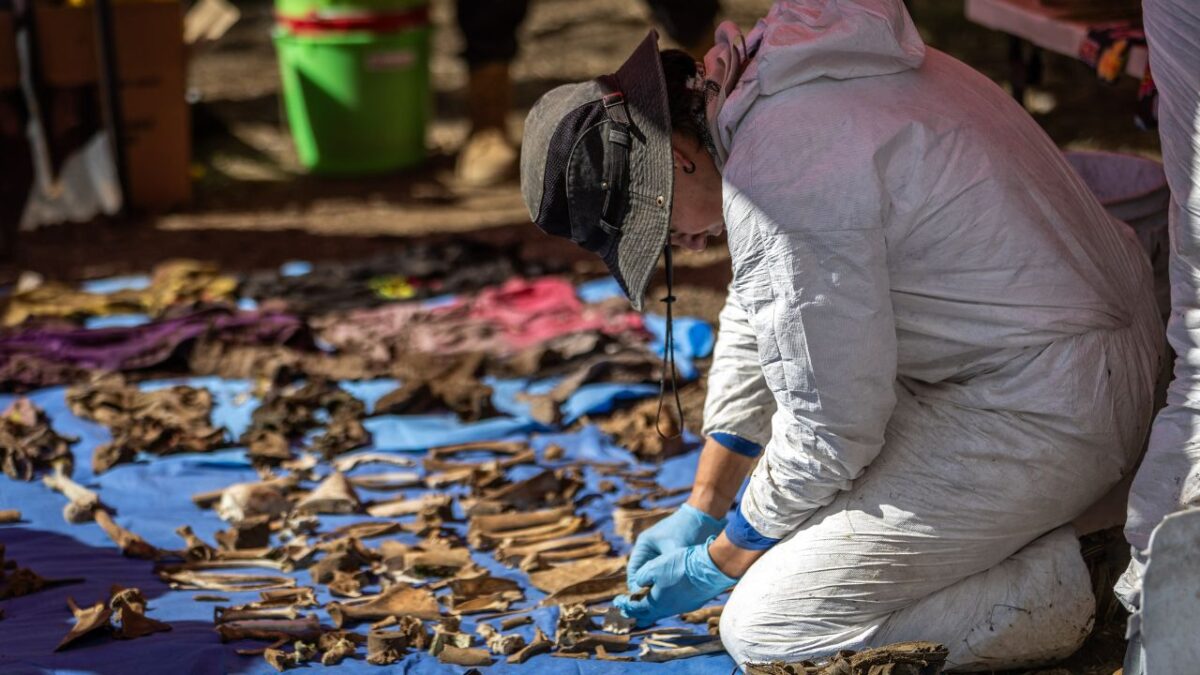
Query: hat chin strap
[[668, 364]]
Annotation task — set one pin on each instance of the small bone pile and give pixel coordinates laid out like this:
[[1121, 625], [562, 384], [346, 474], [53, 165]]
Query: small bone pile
[[27, 442], [160, 422], [288, 411], [903, 658], [123, 616], [16, 581]]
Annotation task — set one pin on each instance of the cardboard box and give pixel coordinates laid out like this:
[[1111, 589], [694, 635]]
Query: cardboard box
[[152, 70]]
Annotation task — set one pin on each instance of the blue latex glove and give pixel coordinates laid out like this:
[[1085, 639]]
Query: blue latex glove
[[686, 527], [681, 581]]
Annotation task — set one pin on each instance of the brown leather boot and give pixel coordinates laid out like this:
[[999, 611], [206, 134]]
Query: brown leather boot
[[488, 157]]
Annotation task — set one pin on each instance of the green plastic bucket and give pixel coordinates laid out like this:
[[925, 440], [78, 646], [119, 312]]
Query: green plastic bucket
[[356, 102]]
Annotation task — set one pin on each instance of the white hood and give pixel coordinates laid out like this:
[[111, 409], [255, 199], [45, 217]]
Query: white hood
[[804, 40]]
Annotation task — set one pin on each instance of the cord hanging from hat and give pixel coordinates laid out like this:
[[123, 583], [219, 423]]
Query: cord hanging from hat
[[668, 363]]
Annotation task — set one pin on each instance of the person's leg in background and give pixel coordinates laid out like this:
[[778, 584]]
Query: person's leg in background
[[691, 23], [489, 28], [1169, 477]]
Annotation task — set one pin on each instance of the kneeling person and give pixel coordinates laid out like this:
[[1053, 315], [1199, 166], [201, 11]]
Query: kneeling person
[[942, 346]]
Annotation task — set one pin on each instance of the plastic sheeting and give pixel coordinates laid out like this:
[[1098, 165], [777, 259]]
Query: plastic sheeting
[[153, 498]]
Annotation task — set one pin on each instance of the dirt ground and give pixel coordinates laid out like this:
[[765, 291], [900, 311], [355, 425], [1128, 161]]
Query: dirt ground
[[253, 207]]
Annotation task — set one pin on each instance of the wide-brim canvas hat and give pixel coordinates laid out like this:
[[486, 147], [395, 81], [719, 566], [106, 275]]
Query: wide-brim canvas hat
[[596, 167]]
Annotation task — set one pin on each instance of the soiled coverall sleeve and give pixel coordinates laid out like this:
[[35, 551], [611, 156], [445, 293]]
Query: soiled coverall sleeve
[[810, 267], [739, 403]]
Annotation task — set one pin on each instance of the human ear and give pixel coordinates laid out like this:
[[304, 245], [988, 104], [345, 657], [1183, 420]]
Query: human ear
[[682, 160]]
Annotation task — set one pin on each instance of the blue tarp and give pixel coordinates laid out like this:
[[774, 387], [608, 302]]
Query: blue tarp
[[153, 498]]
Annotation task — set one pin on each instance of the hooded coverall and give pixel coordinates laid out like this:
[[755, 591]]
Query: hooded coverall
[[946, 345]]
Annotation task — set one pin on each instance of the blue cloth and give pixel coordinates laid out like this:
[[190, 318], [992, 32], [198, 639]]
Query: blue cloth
[[694, 338], [153, 498], [132, 282], [735, 443], [743, 535]]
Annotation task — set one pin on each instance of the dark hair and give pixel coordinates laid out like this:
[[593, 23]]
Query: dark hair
[[687, 104]]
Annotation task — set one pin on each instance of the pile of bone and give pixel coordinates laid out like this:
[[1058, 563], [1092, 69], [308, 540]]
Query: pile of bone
[[425, 588]]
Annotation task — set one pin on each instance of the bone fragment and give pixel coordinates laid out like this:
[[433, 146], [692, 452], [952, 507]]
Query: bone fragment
[[188, 579], [368, 529], [408, 507], [449, 635], [548, 487], [590, 642], [281, 660], [250, 533], [557, 578], [384, 482], [630, 522], [588, 592], [552, 558], [203, 597], [196, 548], [484, 530], [81, 503], [573, 620], [540, 645], [493, 447], [459, 656], [500, 643], [516, 621], [511, 554], [244, 613], [493, 602], [295, 597], [131, 545], [345, 555], [386, 647], [16, 581], [346, 584], [339, 650], [703, 614], [334, 495], [603, 655], [135, 624], [394, 601], [414, 628], [436, 563], [564, 527], [649, 653], [617, 623], [348, 463], [242, 501], [233, 562], [86, 620], [10, 516], [306, 629], [486, 584]]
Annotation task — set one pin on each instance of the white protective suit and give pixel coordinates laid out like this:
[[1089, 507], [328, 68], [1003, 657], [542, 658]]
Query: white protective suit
[[946, 345], [1169, 477]]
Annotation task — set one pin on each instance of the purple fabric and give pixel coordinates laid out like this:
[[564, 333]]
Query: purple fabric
[[135, 347]]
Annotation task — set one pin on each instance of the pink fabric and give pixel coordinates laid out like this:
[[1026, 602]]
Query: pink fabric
[[499, 320]]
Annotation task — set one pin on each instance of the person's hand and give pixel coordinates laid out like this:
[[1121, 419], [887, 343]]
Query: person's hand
[[686, 527], [680, 581]]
